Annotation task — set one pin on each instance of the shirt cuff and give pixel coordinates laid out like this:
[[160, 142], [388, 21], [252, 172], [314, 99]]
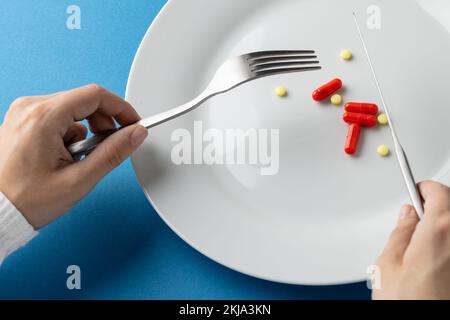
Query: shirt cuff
[[15, 231]]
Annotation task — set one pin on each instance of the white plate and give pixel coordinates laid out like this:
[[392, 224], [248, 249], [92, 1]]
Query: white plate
[[326, 216]]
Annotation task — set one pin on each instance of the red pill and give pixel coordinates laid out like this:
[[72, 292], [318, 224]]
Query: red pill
[[327, 89], [359, 107], [365, 120], [351, 144]]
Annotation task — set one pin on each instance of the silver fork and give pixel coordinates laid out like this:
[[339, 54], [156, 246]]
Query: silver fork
[[232, 73]]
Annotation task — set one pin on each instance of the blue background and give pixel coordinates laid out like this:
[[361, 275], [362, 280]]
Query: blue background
[[124, 249]]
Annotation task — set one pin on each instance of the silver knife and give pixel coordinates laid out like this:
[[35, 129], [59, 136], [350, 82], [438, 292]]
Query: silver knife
[[408, 176]]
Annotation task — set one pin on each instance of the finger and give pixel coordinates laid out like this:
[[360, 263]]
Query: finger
[[99, 122], [109, 154], [83, 102], [75, 133], [401, 236], [436, 197]]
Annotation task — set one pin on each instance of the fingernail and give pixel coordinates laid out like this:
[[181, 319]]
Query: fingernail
[[138, 136], [405, 212]]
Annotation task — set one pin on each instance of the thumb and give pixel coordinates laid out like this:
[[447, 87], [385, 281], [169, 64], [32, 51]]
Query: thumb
[[110, 154], [400, 237]]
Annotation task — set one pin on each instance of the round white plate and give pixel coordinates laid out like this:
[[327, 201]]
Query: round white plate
[[325, 217]]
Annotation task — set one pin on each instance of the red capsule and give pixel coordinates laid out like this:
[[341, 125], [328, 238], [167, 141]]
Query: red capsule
[[327, 89], [365, 120], [359, 107], [351, 144]]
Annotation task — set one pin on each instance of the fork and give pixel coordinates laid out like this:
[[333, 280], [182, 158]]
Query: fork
[[231, 74]]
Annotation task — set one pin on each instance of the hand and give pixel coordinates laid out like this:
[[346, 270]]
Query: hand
[[416, 261], [37, 173]]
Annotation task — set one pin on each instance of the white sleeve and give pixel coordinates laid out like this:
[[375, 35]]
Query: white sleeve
[[15, 231]]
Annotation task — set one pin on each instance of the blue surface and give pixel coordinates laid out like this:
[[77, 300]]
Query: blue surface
[[123, 248]]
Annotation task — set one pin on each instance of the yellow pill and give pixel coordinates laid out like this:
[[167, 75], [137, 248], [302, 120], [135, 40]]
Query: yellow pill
[[346, 54], [336, 99], [383, 150], [281, 91], [383, 119]]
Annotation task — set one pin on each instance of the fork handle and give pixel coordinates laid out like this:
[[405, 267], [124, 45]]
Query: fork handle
[[85, 147]]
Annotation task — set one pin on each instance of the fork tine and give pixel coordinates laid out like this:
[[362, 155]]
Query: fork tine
[[261, 54], [270, 72], [264, 66], [266, 63], [280, 58]]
